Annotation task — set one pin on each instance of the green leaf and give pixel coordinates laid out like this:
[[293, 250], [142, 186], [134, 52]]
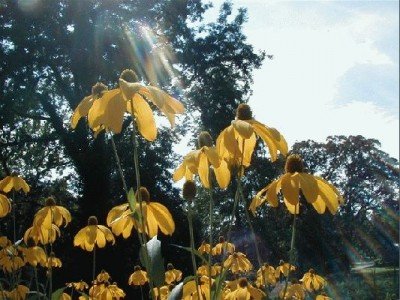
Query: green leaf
[[216, 288], [156, 269], [132, 200], [196, 252], [177, 292], [57, 294]]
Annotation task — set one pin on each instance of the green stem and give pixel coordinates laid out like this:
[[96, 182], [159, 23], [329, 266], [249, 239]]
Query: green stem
[[253, 234], [142, 236], [292, 250], [94, 263], [118, 161], [36, 282], [14, 208], [141, 292], [190, 220], [211, 232]]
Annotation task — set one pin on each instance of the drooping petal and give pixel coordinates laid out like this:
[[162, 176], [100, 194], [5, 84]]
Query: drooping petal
[[309, 187], [179, 172], [290, 186], [144, 117], [204, 170], [328, 195], [293, 209], [212, 156], [81, 110], [244, 129], [319, 205], [163, 217], [222, 174]]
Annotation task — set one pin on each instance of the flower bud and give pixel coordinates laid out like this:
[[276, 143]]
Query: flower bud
[[294, 164], [189, 190], [204, 139], [92, 221], [243, 112], [129, 76], [98, 89]]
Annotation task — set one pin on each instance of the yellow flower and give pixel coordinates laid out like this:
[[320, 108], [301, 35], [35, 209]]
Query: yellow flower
[[199, 162], [52, 214], [323, 296], [92, 235], [13, 182], [78, 286], [163, 293], [204, 248], [156, 216], [5, 206], [242, 290], [106, 108], [65, 296], [236, 143], [139, 277], [238, 262], [313, 282], [203, 293], [53, 261], [222, 247], [283, 269], [293, 291], [4, 242], [10, 260], [34, 255], [42, 235], [266, 273], [317, 191], [204, 270], [18, 293], [172, 275], [106, 291], [103, 276]]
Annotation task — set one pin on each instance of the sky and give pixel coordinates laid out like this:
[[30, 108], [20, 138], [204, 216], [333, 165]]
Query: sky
[[335, 68]]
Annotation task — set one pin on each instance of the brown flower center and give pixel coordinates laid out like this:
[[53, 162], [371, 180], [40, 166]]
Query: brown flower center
[[170, 267], [205, 139], [137, 268], [30, 243], [312, 271], [92, 221], [189, 190], [144, 194], [243, 282], [129, 75], [50, 201], [98, 89], [243, 112], [294, 163], [221, 239]]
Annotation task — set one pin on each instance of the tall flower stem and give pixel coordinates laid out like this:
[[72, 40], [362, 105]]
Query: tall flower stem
[[253, 234], [94, 263], [36, 282], [211, 207], [119, 167], [190, 220], [14, 208], [118, 161], [292, 250], [142, 236]]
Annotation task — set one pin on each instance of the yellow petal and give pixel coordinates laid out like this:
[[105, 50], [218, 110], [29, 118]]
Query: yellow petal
[[212, 156], [328, 195], [290, 187], [243, 128], [163, 217], [223, 175], [144, 118], [81, 110], [309, 187], [293, 209], [204, 170], [319, 205], [179, 172]]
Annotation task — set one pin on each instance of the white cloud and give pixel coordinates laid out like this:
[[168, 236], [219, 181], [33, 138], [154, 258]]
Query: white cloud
[[313, 50]]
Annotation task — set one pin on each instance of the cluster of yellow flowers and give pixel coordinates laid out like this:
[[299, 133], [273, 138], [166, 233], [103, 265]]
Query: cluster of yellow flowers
[[105, 111]]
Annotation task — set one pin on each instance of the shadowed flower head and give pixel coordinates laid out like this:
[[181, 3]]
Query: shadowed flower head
[[139, 277], [198, 162], [52, 214], [92, 235], [317, 191], [13, 182], [241, 289], [155, 215], [172, 275], [223, 247], [5, 206], [312, 281], [238, 262], [10, 259], [236, 143], [42, 235], [105, 108]]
